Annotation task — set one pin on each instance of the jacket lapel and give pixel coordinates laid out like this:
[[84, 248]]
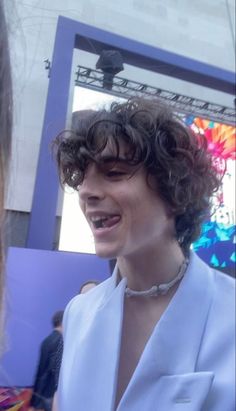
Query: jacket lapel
[[95, 363]]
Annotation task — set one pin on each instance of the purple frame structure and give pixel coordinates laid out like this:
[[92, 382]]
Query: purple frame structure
[[72, 35]]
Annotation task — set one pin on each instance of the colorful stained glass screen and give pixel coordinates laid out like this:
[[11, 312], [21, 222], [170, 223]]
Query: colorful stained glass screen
[[217, 242]]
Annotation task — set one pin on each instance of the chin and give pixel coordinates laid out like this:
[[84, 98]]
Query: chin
[[106, 252]]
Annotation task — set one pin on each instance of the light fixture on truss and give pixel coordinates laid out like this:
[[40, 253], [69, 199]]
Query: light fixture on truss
[[122, 87]]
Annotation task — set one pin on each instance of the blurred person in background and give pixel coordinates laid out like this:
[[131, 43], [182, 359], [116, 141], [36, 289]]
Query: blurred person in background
[[46, 378], [88, 285]]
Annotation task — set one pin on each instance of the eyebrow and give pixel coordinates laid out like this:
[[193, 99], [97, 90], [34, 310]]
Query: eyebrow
[[112, 159]]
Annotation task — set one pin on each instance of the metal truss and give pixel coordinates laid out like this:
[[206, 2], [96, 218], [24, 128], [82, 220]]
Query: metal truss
[[121, 87]]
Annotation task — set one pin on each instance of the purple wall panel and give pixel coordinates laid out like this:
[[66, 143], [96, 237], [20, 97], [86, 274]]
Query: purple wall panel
[[46, 183], [39, 283]]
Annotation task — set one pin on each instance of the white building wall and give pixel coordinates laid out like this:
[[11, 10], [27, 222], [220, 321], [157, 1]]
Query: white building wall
[[198, 29]]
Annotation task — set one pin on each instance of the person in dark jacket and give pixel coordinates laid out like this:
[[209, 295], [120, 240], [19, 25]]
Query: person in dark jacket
[[45, 380]]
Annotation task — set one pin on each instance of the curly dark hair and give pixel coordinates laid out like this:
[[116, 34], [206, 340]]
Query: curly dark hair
[[158, 139]]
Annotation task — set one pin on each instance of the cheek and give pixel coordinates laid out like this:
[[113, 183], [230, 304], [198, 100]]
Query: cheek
[[81, 205], [140, 214], [150, 211]]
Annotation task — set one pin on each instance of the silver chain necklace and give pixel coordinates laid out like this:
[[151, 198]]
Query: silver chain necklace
[[161, 289]]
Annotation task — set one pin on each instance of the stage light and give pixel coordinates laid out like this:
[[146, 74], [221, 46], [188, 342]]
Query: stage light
[[110, 63]]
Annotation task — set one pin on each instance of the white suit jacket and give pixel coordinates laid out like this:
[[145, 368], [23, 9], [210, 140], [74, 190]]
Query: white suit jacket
[[187, 365]]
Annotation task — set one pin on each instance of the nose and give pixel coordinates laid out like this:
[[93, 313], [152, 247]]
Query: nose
[[91, 188]]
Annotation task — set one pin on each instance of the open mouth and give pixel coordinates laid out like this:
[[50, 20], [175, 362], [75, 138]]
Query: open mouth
[[105, 222]]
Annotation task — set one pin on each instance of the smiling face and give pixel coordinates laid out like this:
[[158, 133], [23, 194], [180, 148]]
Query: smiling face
[[126, 216]]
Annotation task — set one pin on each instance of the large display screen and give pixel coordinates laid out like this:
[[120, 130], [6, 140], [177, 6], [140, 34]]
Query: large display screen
[[217, 242]]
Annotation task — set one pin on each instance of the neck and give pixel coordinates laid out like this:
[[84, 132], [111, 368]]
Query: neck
[[153, 267]]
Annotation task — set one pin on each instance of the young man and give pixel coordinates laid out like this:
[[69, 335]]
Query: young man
[[159, 334]]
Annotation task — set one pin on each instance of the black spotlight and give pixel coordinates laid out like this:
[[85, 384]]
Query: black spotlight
[[111, 63]]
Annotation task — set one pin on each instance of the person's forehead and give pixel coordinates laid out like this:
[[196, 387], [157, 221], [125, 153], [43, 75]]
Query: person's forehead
[[87, 287], [112, 149]]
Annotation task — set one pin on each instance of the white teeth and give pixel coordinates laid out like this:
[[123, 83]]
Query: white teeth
[[98, 221], [94, 219]]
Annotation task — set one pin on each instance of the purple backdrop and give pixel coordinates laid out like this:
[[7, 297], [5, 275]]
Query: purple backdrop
[[39, 282]]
